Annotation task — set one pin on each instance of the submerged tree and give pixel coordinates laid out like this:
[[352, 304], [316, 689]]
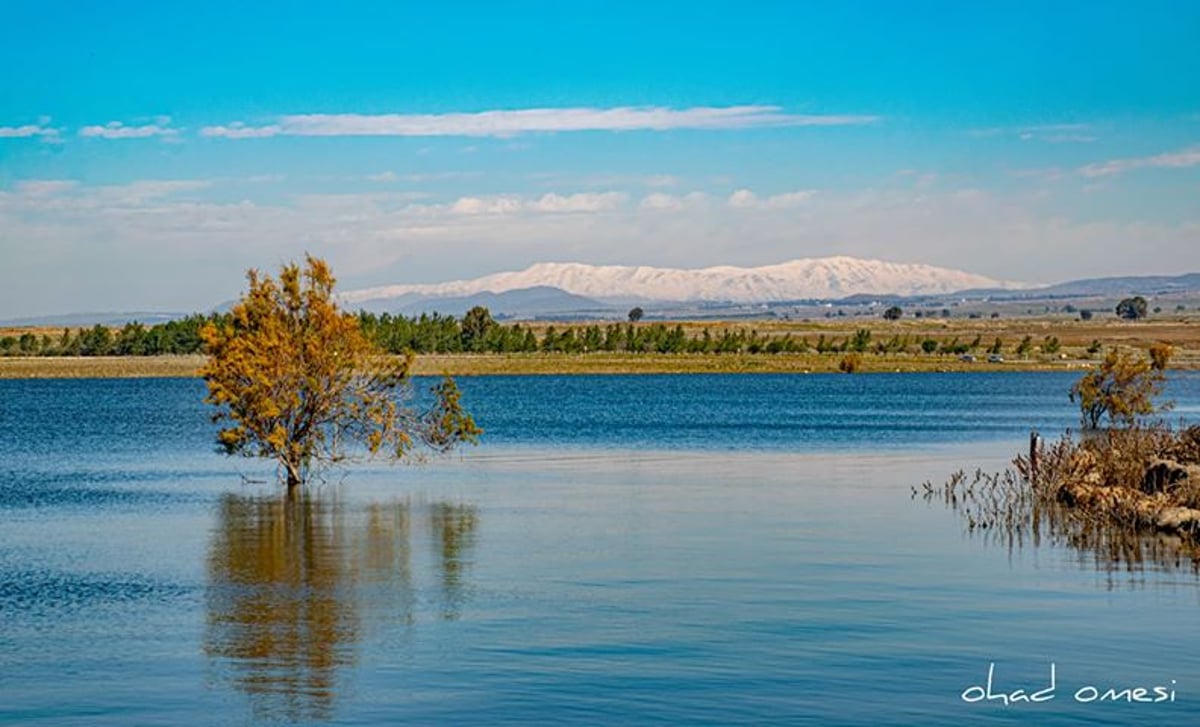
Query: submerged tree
[[1122, 388], [298, 382]]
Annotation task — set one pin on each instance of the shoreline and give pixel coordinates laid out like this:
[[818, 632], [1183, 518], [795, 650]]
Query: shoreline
[[65, 367]]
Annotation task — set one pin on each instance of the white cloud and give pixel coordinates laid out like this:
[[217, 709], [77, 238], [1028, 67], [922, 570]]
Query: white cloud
[[505, 123], [45, 187], [118, 130], [745, 199], [661, 180], [239, 130], [1189, 157], [486, 205], [155, 244], [389, 177], [582, 202], [789, 199], [264, 178], [608, 181], [136, 193], [660, 201], [68, 197], [1069, 138], [551, 203], [1048, 133], [39, 129]]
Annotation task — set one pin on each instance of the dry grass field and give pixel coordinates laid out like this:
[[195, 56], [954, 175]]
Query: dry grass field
[[1074, 336]]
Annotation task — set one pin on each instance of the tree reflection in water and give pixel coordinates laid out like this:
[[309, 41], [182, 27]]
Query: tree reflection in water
[[453, 531], [292, 580]]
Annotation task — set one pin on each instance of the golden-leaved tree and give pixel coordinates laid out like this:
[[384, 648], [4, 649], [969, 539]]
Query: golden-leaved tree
[[1122, 388], [295, 380]]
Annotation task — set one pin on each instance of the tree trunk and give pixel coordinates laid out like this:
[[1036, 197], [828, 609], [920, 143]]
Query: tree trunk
[[293, 477]]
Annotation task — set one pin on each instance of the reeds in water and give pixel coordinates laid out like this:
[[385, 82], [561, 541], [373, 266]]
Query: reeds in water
[[1128, 497]]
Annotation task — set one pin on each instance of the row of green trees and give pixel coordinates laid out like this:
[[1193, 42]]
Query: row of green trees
[[477, 332], [134, 339]]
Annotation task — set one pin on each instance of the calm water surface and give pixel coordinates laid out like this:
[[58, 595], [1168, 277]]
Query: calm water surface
[[620, 550]]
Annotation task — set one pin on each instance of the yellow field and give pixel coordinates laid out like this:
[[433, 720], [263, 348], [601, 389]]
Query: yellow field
[[498, 364], [1074, 336]]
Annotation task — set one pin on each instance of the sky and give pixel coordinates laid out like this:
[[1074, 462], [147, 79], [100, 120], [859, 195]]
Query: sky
[[151, 153]]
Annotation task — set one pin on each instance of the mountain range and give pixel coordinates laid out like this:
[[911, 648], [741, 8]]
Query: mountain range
[[579, 291], [805, 279], [520, 303]]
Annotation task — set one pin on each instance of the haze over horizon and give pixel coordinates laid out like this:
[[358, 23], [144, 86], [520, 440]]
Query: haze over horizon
[[149, 155]]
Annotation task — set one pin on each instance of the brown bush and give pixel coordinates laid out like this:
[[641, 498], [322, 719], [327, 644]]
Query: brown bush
[[1185, 448], [1122, 455]]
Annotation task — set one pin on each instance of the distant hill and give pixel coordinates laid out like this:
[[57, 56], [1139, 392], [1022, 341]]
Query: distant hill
[[1132, 285], [1097, 288], [78, 320], [532, 302]]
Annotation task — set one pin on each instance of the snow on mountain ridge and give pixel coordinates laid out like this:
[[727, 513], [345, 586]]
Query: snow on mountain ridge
[[831, 277]]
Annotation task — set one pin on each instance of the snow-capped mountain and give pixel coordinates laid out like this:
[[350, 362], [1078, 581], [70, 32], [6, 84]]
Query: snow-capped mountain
[[822, 278]]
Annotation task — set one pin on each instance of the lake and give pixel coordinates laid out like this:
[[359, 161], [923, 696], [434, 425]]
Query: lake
[[618, 550]]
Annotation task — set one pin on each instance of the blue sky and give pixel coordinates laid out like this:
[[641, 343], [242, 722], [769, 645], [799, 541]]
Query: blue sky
[[150, 153]]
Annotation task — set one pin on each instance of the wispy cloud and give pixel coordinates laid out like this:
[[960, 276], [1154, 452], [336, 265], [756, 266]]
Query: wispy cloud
[[548, 203], [118, 130], [44, 187], [61, 194], [746, 199], [582, 202], [389, 177], [496, 205], [40, 129], [1048, 133], [653, 181], [141, 191], [1066, 138], [189, 246], [239, 130], [1189, 157], [505, 123], [660, 201]]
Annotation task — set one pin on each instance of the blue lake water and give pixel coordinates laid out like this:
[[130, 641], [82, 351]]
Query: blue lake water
[[618, 550]]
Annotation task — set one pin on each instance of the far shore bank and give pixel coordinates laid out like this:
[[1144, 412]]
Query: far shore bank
[[38, 367]]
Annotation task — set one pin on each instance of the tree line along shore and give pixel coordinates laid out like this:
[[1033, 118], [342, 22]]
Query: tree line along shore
[[477, 344]]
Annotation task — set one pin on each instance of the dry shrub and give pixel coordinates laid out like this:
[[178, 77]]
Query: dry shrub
[[850, 363], [1160, 355], [1090, 493], [1121, 456], [1185, 448], [1113, 491], [1058, 464], [1187, 494]]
